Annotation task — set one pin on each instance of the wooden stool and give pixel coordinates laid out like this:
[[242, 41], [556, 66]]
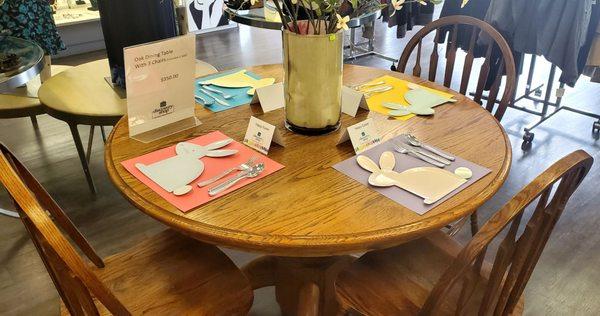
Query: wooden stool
[[81, 96]]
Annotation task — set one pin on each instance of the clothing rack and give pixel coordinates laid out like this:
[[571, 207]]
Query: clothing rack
[[546, 112], [356, 49]]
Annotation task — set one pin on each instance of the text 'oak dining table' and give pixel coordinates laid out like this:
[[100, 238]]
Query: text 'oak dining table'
[[308, 218]]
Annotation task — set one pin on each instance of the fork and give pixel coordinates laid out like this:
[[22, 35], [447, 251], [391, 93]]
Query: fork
[[243, 167], [407, 151], [417, 143]]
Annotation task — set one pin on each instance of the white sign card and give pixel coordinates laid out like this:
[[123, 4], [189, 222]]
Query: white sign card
[[160, 87], [363, 136], [261, 134], [272, 98]]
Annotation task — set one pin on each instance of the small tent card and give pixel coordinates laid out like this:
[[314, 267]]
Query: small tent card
[[363, 136], [160, 87], [261, 134], [272, 98], [352, 100]]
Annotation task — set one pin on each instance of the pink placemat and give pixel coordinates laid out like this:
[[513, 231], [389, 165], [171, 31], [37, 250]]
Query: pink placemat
[[212, 167]]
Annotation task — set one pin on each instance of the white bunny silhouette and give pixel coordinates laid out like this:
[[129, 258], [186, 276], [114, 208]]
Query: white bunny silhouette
[[432, 184], [175, 173]]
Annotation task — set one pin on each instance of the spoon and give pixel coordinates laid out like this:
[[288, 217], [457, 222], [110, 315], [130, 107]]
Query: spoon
[[203, 100], [222, 93], [252, 173], [221, 102]]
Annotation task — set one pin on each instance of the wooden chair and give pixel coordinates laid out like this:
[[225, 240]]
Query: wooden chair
[[433, 276], [476, 28], [168, 274]]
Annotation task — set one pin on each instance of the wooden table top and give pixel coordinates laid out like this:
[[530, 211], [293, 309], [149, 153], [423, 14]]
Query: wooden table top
[[308, 208], [81, 94]]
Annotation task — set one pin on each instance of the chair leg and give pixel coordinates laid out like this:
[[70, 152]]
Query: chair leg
[[34, 121], [81, 153], [88, 154], [474, 223], [9, 213]]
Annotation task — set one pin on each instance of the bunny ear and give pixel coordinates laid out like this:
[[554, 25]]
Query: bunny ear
[[387, 161], [218, 144], [367, 164], [413, 86]]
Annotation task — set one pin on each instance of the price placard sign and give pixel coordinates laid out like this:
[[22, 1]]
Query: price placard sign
[[160, 87]]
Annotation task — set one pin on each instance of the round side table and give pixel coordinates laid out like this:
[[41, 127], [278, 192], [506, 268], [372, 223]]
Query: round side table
[[31, 61], [82, 96]]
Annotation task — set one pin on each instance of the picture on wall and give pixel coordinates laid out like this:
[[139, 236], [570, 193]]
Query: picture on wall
[[205, 14]]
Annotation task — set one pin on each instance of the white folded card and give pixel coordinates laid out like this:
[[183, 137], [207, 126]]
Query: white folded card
[[363, 135], [272, 98], [352, 100], [261, 134]]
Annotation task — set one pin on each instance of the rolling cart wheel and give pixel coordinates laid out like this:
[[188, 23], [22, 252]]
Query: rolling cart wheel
[[527, 141], [596, 129]]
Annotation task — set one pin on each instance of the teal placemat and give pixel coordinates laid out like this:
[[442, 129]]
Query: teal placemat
[[240, 97]]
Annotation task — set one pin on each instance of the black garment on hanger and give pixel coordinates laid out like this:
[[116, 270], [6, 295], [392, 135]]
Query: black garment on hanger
[[477, 9], [406, 18], [585, 49]]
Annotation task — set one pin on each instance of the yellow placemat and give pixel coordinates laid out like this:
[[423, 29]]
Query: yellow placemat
[[396, 95]]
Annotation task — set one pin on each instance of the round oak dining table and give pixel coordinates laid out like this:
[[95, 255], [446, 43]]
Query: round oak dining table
[[307, 219]]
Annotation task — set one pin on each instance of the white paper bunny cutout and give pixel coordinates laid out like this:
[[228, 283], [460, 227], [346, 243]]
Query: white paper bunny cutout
[[432, 184], [175, 173], [422, 101]]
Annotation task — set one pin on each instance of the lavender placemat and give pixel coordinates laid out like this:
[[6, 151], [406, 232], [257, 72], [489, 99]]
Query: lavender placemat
[[351, 168]]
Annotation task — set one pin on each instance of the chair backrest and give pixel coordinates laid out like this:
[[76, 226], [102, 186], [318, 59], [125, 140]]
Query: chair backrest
[[459, 24], [42, 217], [518, 253]]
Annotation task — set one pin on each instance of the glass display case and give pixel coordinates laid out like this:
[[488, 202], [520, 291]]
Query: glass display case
[[67, 12]]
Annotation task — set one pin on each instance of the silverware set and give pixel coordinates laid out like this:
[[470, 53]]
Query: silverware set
[[374, 87], [248, 169], [253, 172], [215, 95], [415, 148]]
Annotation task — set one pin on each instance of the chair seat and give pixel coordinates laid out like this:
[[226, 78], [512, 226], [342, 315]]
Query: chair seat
[[398, 281], [171, 274]]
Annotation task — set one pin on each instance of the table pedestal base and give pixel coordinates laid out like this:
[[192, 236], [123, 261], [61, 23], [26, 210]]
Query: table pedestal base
[[299, 282]]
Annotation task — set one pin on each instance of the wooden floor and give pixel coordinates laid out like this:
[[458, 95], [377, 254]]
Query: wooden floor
[[566, 282]]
